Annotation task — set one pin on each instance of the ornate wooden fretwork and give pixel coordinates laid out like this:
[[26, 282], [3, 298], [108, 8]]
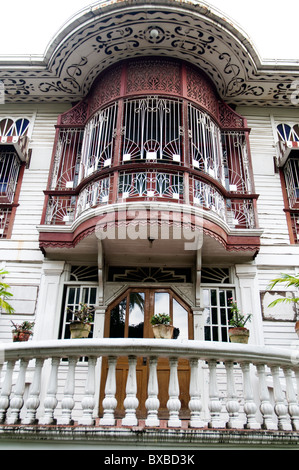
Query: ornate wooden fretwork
[[149, 274]]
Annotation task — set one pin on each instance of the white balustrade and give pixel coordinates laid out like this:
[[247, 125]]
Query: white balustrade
[[174, 404], [131, 401], [248, 386], [110, 402], [152, 403]]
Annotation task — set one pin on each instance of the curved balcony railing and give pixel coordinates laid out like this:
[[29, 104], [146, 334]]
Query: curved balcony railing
[[250, 387], [235, 209]]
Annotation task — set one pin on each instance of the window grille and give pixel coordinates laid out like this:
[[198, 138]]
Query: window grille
[[5, 215], [9, 172], [99, 136], [291, 172], [11, 128], [67, 159], [152, 130], [288, 133], [205, 144]]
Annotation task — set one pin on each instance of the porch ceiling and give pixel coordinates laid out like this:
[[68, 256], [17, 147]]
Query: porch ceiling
[[108, 32]]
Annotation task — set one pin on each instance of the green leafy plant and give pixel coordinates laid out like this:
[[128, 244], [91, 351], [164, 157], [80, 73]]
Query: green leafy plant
[[26, 326], [160, 319], [289, 281], [84, 314], [4, 294], [238, 320]]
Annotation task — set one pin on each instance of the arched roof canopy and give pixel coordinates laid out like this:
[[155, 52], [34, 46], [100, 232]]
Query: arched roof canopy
[[109, 32]]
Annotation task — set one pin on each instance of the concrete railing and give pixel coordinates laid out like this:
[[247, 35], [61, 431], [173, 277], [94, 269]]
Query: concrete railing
[[258, 384]]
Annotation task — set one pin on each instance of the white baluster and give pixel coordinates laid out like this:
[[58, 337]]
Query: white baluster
[[292, 400], [6, 390], [33, 401], [174, 404], [266, 407], [232, 404], [214, 402], [131, 401], [280, 407], [68, 402], [152, 403], [110, 402], [50, 401], [88, 402], [17, 400], [250, 407], [195, 403]]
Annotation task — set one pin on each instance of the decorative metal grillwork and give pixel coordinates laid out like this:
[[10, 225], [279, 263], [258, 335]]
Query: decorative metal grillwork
[[152, 130], [67, 159], [98, 143], [5, 215], [295, 227], [236, 162], [151, 184], [240, 213], [9, 172], [94, 194], [291, 172], [205, 144], [60, 210], [207, 196], [11, 128]]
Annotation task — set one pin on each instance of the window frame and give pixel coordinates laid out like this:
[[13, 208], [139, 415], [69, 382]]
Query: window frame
[[219, 326]]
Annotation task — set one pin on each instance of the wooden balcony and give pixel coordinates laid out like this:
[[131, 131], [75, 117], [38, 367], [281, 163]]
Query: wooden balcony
[[236, 392]]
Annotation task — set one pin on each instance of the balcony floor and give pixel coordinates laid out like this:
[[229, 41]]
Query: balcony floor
[[140, 437]]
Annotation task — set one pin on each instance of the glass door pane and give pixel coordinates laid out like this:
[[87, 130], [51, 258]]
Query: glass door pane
[[162, 304], [180, 320], [136, 315], [117, 319]]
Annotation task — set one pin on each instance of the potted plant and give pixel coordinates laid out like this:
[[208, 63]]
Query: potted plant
[[289, 281], [22, 332], [237, 332], [161, 326], [81, 325]]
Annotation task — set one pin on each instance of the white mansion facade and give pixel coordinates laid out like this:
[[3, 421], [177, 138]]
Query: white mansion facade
[[149, 163]]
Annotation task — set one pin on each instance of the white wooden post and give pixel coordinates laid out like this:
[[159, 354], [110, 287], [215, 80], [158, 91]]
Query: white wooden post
[[232, 404], [50, 401], [174, 404], [88, 401], [17, 400], [195, 403], [214, 402], [266, 407], [280, 407], [33, 401], [68, 402], [152, 403], [6, 390], [110, 402], [250, 407], [131, 401], [292, 401]]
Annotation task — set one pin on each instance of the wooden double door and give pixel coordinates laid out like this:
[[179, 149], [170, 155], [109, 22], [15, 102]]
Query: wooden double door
[[129, 317]]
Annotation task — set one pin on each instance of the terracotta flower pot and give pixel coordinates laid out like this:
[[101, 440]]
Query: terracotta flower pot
[[20, 336], [80, 330], [238, 335], [163, 331], [297, 327]]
